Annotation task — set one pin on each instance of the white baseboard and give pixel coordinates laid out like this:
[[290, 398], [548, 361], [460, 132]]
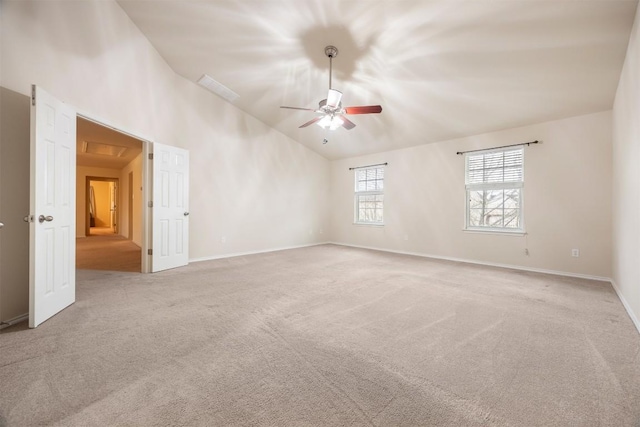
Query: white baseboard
[[235, 254], [490, 264], [626, 305], [15, 320]]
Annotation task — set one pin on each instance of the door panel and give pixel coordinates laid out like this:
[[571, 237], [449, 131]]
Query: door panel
[[52, 207], [170, 240]]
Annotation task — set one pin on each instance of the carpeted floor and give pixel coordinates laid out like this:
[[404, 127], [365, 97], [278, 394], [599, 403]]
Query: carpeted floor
[[326, 336], [104, 250]]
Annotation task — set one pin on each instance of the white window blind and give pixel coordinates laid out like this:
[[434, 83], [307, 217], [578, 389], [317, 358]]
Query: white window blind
[[494, 181], [369, 195], [495, 167]]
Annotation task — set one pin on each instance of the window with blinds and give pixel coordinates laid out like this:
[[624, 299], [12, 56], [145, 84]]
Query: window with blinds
[[369, 195], [494, 181]]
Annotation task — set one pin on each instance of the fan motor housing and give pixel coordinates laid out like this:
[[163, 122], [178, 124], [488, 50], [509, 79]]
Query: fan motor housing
[[331, 51]]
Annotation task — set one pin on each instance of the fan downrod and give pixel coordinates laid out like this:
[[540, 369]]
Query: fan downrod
[[331, 51]]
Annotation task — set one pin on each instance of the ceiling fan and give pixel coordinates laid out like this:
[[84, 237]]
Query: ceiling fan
[[330, 110]]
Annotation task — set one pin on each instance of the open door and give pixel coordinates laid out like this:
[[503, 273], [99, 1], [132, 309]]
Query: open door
[[170, 236], [52, 281]]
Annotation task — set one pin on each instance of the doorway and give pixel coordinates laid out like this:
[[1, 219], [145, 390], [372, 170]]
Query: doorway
[[102, 206], [109, 169], [56, 191]]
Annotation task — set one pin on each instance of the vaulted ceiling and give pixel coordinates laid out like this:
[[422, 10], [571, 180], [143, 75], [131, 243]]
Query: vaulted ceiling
[[440, 69]]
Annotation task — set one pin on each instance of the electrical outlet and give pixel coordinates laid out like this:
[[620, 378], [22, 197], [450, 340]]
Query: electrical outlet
[[406, 237], [526, 251], [223, 239], [575, 253]]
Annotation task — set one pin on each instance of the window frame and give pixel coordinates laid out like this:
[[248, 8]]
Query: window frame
[[356, 194], [485, 186]]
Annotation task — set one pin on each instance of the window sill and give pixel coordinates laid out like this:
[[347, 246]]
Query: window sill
[[368, 224], [494, 231]]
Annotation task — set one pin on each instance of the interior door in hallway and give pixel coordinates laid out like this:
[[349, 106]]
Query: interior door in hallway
[[170, 236], [130, 208], [52, 283], [113, 205]]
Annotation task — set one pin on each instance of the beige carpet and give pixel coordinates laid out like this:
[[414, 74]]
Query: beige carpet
[[103, 250], [326, 336]]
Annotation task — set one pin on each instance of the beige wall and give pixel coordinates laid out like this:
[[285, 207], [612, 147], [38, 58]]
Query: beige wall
[[249, 183], [14, 204], [134, 166], [82, 172], [626, 179], [566, 200]]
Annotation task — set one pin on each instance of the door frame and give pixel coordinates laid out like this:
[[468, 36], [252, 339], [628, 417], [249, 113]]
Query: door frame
[[146, 223], [87, 216]]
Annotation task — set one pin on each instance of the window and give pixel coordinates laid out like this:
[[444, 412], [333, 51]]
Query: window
[[369, 195], [494, 181]]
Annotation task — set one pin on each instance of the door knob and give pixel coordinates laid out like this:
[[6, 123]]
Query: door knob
[[1, 225], [43, 218], [186, 214]]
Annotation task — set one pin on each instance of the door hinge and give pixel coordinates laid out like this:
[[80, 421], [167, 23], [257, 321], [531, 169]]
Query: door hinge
[[149, 251], [150, 204], [33, 95], [150, 156]]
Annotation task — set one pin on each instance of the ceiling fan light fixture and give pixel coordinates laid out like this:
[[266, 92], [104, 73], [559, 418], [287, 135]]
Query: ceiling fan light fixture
[[330, 122], [330, 109]]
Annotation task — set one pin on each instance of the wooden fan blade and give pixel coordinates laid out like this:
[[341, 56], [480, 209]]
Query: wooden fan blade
[[347, 124], [310, 122], [366, 109], [298, 108]]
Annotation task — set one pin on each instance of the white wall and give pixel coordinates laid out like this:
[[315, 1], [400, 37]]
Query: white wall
[[249, 183], [566, 199], [626, 179]]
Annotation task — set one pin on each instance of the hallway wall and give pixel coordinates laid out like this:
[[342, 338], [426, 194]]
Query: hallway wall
[[138, 209]]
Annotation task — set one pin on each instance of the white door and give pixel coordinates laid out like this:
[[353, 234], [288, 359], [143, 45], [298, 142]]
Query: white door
[[52, 249], [170, 239]]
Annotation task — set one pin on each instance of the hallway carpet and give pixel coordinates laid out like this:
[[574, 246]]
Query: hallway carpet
[[107, 251], [326, 336]]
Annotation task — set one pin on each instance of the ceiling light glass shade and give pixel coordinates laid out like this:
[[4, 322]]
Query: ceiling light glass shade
[[333, 98], [330, 122]]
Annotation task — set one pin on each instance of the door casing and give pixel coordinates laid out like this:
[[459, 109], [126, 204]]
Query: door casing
[[87, 214]]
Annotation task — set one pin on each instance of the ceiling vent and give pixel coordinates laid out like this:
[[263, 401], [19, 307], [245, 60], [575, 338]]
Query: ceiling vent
[[218, 88], [101, 149]]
